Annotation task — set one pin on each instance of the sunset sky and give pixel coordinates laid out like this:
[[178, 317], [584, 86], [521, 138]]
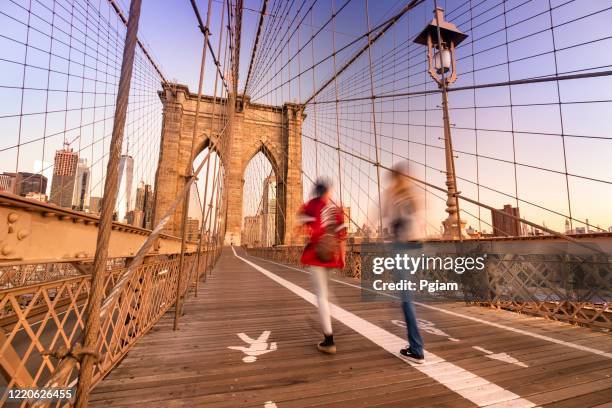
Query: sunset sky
[[549, 144]]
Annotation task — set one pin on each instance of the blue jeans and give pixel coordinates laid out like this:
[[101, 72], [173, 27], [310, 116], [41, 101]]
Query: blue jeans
[[412, 326]]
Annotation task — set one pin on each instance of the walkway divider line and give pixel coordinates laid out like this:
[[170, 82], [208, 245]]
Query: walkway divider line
[[465, 383], [474, 319]]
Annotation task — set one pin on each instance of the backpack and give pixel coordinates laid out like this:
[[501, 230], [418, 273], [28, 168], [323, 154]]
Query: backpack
[[329, 244]]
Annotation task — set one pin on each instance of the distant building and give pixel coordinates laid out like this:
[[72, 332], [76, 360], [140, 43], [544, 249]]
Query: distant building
[[143, 209], [140, 204], [148, 207], [42, 197], [124, 197], [251, 233], [268, 212], [137, 218], [140, 196], [193, 229], [22, 183], [29, 183], [129, 218], [80, 197], [505, 226], [580, 230], [64, 173], [95, 205], [7, 182], [350, 228]]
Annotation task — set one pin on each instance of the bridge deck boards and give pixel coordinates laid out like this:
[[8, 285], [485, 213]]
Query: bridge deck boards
[[194, 367]]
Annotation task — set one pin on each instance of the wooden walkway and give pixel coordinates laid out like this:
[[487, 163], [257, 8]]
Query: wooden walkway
[[481, 357]]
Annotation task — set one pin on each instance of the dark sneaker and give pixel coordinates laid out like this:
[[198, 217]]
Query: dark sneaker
[[327, 346], [409, 355]]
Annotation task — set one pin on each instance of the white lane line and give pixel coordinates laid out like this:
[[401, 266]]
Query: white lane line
[[465, 383], [474, 319]]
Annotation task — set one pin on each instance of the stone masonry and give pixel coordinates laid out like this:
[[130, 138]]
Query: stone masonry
[[275, 131]]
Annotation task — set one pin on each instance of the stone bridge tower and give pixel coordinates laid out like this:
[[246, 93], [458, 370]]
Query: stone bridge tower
[[273, 130]]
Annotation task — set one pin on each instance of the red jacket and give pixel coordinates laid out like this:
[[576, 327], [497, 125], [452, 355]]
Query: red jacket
[[316, 216]]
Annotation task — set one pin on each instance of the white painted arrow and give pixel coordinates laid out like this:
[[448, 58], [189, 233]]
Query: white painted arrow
[[504, 357]]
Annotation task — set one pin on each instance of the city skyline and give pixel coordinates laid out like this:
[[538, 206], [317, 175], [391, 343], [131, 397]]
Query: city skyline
[[69, 188]]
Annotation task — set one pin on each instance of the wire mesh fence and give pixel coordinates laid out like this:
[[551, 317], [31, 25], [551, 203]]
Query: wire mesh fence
[[61, 63]]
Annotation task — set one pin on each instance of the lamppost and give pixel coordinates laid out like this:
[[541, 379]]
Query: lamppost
[[441, 38]]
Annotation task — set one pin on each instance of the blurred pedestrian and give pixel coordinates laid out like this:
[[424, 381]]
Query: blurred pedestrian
[[324, 252], [402, 210]]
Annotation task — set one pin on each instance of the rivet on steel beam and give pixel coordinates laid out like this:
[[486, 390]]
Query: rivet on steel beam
[[7, 250], [22, 234], [12, 217]]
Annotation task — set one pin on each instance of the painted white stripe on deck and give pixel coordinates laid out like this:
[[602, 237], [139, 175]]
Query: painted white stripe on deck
[[465, 383], [474, 319]]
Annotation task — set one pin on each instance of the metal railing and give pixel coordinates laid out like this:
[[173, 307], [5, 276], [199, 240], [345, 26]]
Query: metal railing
[[38, 321]]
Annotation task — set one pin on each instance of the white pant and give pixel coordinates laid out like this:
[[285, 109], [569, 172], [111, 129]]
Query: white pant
[[320, 281]]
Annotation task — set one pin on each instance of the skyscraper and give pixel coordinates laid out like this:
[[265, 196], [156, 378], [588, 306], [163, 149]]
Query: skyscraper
[[80, 196], [140, 196], [138, 219], [64, 172], [124, 195], [148, 207], [268, 211]]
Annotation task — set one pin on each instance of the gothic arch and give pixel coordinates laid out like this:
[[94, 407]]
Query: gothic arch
[[273, 130], [265, 150]]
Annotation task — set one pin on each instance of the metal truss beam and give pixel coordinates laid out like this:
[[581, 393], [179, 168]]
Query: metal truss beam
[[35, 232]]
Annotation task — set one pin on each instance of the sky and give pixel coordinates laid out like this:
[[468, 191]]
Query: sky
[[548, 144]]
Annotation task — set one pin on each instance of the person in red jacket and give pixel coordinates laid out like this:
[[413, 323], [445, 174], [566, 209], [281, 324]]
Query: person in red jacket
[[324, 251]]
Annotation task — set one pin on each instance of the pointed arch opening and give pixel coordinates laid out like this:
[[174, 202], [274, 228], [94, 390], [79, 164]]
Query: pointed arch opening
[[205, 197], [260, 205]]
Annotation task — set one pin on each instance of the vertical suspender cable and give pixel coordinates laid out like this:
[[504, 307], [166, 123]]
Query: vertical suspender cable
[[177, 304], [380, 224], [210, 134]]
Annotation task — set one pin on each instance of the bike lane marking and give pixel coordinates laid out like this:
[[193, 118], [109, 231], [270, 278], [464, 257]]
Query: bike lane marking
[[470, 386]]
